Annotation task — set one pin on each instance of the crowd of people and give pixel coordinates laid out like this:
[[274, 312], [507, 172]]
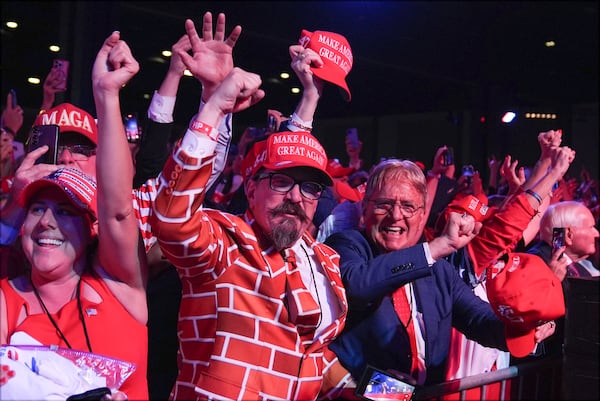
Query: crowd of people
[[264, 269]]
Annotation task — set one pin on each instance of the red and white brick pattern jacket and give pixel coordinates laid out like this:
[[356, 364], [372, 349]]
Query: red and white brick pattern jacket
[[235, 338]]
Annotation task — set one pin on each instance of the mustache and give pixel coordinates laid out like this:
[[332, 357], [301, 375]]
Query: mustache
[[289, 208]]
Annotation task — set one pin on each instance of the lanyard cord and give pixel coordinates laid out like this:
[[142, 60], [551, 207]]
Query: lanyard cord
[[79, 307]]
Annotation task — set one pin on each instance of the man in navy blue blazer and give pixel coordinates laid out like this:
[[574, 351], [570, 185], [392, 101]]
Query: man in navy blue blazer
[[387, 256]]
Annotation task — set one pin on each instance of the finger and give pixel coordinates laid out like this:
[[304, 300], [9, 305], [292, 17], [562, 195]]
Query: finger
[[233, 36], [182, 44], [102, 56], [207, 26], [220, 30], [190, 29]]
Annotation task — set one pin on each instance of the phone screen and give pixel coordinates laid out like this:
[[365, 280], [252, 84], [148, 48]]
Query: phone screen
[[558, 237], [377, 384], [131, 128], [41, 135]]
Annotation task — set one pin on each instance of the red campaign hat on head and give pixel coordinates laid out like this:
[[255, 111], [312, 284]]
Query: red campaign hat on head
[[70, 119], [524, 293], [476, 206], [336, 54], [283, 150], [336, 170], [79, 188]]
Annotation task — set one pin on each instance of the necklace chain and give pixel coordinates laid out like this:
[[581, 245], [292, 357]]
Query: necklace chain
[[79, 307]]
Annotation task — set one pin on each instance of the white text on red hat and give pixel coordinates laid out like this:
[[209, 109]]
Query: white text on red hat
[[72, 118]]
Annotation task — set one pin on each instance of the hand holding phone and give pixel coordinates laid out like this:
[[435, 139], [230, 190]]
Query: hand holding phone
[[448, 156], [41, 135]]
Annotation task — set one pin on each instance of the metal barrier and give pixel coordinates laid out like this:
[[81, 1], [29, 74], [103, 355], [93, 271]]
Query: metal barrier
[[536, 380]]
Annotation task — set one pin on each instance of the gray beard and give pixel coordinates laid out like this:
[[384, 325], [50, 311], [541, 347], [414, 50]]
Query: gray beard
[[285, 234]]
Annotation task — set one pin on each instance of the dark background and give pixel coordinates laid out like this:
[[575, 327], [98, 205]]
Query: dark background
[[455, 61]]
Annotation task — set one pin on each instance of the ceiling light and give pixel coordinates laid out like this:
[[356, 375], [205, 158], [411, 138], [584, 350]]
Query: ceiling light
[[187, 72], [508, 117], [34, 80], [167, 53], [12, 25], [550, 43], [54, 48], [295, 90], [284, 75]]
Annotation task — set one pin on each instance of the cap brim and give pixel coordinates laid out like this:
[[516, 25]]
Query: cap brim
[[324, 176], [343, 172], [520, 344], [34, 187], [344, 190], [334, 79]]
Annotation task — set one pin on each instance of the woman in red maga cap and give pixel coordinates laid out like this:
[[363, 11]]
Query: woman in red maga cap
[[66, 297]]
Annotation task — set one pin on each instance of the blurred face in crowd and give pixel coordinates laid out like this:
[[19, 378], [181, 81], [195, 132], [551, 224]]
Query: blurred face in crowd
[[283, 202], [75, 151], [581, 239], [394, 214], [55, 233]]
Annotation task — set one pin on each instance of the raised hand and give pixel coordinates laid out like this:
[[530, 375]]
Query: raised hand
[[212, 56], [548, 140], [302, 60], [459, 230], [514, 177], [239, 91], [114, 66], [12, 117]]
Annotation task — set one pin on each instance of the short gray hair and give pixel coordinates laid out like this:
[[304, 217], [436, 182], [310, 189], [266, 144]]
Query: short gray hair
[[395, 169]]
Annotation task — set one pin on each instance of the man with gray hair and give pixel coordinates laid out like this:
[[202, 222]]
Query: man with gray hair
[[580, 235]]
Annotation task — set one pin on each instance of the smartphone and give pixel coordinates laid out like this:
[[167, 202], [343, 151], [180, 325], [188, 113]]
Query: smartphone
[[132, 129], [41, 135], [448, 157], [271, 123], [96, 394], [558, 238], [13, 97], [377, 384], [63, 72]]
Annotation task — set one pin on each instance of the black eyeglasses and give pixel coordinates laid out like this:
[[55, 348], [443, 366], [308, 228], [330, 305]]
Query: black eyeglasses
[[386, 206], [284, 183], [78, 152]]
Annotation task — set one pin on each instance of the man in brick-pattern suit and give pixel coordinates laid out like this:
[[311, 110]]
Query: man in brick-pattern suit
[[260, 298]]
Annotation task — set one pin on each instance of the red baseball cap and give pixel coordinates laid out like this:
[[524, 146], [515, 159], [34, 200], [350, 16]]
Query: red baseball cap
[[283, 150], [336, 170], [336, 54], [70, 119], [79, 188], [476, 206], [346, 192], [524, 293]]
